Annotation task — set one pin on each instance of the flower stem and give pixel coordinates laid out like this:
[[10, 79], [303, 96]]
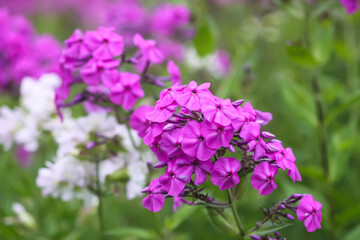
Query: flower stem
[[238, 222]]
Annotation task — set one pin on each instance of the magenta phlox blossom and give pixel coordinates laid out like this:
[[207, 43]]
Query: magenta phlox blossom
[[191, 98], [138, 120], [225, 173], [97, 71], [157, 146], [154, 130], [245, 115], [263, 118], [75, 46], [351, 6], [175, 178], [161, 114], [172, 142], [250, 132], [168, 96], [127, 90], [217, 135], [310, 211], [263, 178], [104, 43], [154, 201], [148, 49], [194, 144], [218, 110], [196, 166], [174, 72]]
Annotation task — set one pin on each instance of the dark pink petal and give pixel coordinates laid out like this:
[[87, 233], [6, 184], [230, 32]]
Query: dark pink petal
[[154, 202]]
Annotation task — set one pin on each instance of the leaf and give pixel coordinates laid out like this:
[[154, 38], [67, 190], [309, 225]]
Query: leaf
[[333, 114], [322, 41], [350, 214], [174, 221], [301, 56], [267, 230], [354, 234], [222, 223], [133, 232], [204, 40]]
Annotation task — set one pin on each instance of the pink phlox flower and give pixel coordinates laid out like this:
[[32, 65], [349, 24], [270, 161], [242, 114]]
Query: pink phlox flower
[[217, 135], [104, 43], [168, 96], [138, 120], [294, 174], [285, 158], [194, 144], [127, 90], [174, 72], [310, 211], [154, 201], [153, 130], [250, 132], [263, 118], [218, 110], [161, 114], [351, 6], [175, 178], [75, 47], [263, 178], [200, 168], [172, 142], [148, 49], [245, 115], [157, 146], [96, 71], [225, 173], [191, 98]]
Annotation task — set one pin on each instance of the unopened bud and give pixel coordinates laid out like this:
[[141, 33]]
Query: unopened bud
[[238, 103], [267, 135], [255, 237], [289, 216]]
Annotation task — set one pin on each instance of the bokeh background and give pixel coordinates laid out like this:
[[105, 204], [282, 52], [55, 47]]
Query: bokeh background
[[297, 59]]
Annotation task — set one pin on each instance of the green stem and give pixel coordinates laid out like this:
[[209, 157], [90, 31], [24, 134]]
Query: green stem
[[238, 222], [100, 210]]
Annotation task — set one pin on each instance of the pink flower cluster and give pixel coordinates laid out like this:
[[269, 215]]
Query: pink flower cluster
[[95, 57], [190, 130], [23, 52], [351, 6]]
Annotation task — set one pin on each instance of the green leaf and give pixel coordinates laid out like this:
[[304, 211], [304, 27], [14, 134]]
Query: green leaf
[[322, 41], [301, 56], [354, 234], [333, 114], [133, 232], [174, 221], [350, 214], [268, 230], [204, 40], [221, 222]]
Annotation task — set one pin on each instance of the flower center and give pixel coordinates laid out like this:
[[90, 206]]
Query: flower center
[[269, 179], [218, 107], [229, 174], [171, 174], [201, 138], [105, 41], [220, 129], [194, 92], [195, 164], [127, 88], [100, 69]]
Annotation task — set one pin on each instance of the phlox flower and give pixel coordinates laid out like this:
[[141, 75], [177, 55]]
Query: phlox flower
[[154, 201], [75, 47], [218, 110], [217, 135], [200, 168], [191, 98], [263, 178], [148, 49], [96, 71], [168, 96], [138, 120], [172, 142], [194, 144], [310, 211], [161, 114], [225, 173], [351, 6], [175, 178], [174, 72]]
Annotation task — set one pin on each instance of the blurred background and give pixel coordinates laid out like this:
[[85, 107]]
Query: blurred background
[[297, 59]]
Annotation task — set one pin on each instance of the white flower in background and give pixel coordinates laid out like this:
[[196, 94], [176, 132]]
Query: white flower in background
[[67, 178], [22, 216], [23, 124]]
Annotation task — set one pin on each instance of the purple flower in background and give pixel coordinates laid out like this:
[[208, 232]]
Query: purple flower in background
[[217, 135], [351, 6], [263, 178], [194, 144], [75, 47], [23, 156], [148, 49], [191, 98], [224, 173], [175, 178], [96, 71], [218, 110], [174, 72], [138, 120], [178, 201], [154, 201], [127, 90], [310, 211], [104, 43]]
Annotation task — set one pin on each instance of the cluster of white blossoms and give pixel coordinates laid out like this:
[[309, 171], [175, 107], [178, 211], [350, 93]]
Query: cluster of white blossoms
[[68, 175], [23, 124]]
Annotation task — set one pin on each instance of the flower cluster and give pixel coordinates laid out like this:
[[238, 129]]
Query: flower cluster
[[190, 130], [74, 173], [95, 58], [23, 125], [351, 6], [23, 52]]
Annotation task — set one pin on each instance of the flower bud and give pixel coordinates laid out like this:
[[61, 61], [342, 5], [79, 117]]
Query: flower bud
[[267, 135], [255, 237]]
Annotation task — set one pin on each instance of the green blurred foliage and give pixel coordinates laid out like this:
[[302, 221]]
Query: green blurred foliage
[[275, 53]]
